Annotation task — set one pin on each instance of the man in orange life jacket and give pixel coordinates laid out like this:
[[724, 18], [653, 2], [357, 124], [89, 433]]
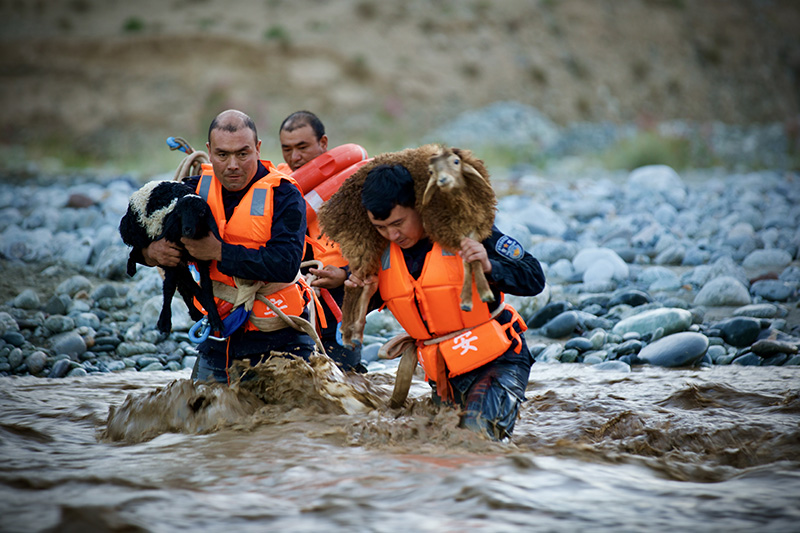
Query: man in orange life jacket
[[303, 138], [484, 367], [261, 216]]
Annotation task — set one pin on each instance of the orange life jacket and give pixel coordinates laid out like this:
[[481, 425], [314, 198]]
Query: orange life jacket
[[250, 225], [450, 341], [318, 180]]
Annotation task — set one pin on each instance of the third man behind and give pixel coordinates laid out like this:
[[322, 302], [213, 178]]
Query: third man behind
[[302, 137]]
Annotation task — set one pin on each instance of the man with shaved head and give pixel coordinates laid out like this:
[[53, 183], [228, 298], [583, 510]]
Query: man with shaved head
[[261, 217]]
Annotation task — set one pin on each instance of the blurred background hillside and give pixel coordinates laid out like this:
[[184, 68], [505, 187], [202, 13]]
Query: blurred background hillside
[[103, 83]]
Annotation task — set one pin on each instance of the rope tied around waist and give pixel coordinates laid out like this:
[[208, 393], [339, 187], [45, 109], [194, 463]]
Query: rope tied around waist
[[248, 291]]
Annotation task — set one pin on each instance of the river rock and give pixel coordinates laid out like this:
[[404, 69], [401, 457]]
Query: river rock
[[551, 353], [73, 285], [757, 311], [588, 257], [656, 180], [767, 260], [632, 297], [36, 362], [77, 372], [69, 343], [59, 323], [27, 299], [127, 349], [60, 369], [582, 344], [747, 359], [739, 331], [671, 320], [551, 250], [548, 312], [679, 349], [14, 338], [767, 347], [15, 357], [561, 326], [723, 291], [772, 289], [613, 366]]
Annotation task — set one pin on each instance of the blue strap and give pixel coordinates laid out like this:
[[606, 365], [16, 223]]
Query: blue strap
[[230, 323]]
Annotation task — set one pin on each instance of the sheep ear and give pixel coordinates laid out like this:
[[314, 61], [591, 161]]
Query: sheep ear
[[429, 190]]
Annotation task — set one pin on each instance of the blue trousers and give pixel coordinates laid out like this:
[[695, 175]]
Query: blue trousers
[[491, 395]]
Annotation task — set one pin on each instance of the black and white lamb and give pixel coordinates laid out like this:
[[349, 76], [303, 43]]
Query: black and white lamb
[[171, 210]]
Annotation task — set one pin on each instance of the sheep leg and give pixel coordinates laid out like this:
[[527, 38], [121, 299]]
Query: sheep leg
[[354, 312], [168, 287], [466, 288], [481, 283], [188, 290], [206, 296]]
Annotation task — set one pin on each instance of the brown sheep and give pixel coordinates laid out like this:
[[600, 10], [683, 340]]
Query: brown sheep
[[447, 218]]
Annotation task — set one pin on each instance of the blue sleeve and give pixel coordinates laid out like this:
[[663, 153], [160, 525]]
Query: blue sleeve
[[278, 260]]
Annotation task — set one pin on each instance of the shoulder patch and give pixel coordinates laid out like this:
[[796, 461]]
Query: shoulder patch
[[510, 248]]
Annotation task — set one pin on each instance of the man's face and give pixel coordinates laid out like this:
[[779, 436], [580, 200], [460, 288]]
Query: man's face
[[300, 146], [234, 156], [403, 226]]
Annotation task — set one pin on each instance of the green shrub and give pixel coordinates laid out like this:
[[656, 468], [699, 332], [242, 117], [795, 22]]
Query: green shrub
[[133, 25], [649, 149]]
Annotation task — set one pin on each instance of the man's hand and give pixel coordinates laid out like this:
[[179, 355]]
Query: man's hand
[[329, 277], [162, 253], [355, 281], [209, 248], [472, 250]]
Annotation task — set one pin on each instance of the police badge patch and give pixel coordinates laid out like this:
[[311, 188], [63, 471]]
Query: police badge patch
[[508, 247]]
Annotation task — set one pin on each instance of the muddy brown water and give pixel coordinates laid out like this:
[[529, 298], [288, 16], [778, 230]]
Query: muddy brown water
[[304, 448]]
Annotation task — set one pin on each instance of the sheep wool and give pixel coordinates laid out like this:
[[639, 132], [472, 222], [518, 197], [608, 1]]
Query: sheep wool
[[446, 218]]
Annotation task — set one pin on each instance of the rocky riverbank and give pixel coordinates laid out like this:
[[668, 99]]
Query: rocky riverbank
[[648, 267]]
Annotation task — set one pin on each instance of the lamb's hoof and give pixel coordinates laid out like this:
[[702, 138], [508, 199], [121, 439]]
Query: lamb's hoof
[[466, 307], [486, 298]]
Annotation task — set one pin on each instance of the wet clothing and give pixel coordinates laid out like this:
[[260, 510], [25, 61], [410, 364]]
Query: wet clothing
[[276, 260], [492, 393], [328, 252]]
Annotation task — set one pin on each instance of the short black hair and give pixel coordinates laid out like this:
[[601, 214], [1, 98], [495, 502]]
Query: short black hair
[[385, 187], [298, 119]]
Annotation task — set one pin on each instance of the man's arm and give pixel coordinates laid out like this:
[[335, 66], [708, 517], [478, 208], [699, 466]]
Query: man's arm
[[512, 273], [279, 259]]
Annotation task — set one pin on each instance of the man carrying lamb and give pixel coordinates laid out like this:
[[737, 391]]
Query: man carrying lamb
[[476, 359], [260, 214]]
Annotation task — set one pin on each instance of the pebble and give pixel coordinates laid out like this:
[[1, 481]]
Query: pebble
[[773, 290], [723, 291], [561, 326], [739, 331], [680, 349], [670, 319], [757, 311]]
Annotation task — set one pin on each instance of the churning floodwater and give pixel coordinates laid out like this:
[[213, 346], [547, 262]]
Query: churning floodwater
[[302, 448]]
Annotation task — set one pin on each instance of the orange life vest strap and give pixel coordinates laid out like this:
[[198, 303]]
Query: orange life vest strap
[[463, 351]]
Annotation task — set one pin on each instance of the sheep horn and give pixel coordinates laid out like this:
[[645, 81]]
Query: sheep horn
[[468, 169], [429, 190]]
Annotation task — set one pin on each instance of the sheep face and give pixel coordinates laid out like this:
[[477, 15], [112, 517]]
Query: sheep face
[[194, 217], [446, 171]]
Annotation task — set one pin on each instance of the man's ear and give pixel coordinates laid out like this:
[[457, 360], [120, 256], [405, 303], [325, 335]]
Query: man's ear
[[323, 141], [258, 147]]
